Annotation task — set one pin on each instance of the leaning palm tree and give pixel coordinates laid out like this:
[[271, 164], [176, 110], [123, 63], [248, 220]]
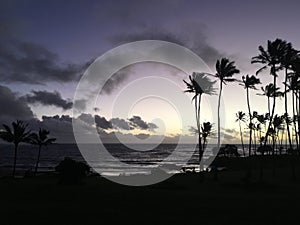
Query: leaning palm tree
[[249, 83], [41, 139], [241, 117], [18, 134], [199, 84], [271, 57], [224, 72]]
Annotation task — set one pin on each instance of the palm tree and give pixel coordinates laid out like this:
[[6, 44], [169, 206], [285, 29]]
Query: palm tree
[[199, 84], [261, 119], [249, 83], [206, 129], [224, 72], [278, 125], [293, 85], [241, 117], [287, 60], [272, 58], [270, 92], [41, 139], [16, 135]]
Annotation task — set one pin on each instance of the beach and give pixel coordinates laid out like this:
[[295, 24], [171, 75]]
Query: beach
[[228, 198]]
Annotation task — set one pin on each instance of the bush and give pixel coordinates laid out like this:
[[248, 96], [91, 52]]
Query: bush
[[71, 171]]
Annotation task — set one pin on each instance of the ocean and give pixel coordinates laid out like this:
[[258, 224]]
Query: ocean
[[132, 160]]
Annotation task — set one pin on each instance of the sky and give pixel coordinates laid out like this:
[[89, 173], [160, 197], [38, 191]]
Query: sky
[[45, 47]]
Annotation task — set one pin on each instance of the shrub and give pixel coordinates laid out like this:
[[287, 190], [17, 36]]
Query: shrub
[[71, 171]]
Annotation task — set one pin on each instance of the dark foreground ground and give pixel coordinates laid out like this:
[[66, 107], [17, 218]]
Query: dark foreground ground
[[183, 199]]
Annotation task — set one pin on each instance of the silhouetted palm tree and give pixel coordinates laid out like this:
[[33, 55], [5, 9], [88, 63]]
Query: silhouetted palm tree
[[278, 122], [290, 55], [249, 83], [41, 139], [293, 85], [261, 119], [224, 72], [241, 117], [206, 129], [270, 92], [199, 84], [16, 135], [271, 57]]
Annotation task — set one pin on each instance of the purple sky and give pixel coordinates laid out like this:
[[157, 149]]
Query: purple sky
[[62, 36]]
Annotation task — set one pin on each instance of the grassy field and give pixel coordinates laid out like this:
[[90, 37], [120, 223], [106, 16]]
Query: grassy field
[[183, 199]]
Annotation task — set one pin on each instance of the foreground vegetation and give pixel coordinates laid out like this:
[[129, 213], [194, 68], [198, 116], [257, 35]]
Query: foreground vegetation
[[180, 200]]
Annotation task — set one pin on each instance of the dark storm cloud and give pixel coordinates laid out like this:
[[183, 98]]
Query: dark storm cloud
[[60, 127], [136, 122], [102, 122], [48, 99], [115, 80], [192, 36], [139, 123], [152, 126], [63, 118], [87, 118], [12, 107], [122, 124], [32, 63]]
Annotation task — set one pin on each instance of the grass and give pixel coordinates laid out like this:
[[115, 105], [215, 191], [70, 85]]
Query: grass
[[182, 199]]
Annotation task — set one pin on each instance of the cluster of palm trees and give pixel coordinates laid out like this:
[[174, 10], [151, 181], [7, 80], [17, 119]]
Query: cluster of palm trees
[[200, 84], [279, 55], [19, 133]]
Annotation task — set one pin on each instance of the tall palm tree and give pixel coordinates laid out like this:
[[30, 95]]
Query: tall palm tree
[[199, 84], [293, 86], [241, 117], [290, 55], [249, 83], [271, 57], [18, 134], [225, 70], [41, 139]]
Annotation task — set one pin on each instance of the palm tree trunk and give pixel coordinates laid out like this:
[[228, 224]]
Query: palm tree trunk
[[286, 109], [219, 125], [269, 107], [294, 114], [199, 130], [15, 160], [38, 160], [273, 109], [250, 125], [281, 142], [297, 131], [242, 140], [254, 134]]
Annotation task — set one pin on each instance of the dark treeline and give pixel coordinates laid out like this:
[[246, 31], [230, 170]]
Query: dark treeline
[[269, 133]]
